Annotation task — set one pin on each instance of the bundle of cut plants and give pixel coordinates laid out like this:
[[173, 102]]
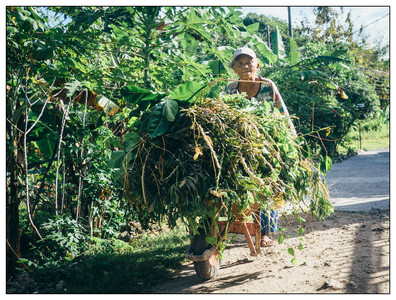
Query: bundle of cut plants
[[199, 163]]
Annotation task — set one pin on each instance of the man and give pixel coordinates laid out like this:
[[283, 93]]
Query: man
[[245, 65]]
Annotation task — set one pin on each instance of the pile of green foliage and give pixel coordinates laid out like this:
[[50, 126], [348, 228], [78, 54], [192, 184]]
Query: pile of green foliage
[[196, 162]]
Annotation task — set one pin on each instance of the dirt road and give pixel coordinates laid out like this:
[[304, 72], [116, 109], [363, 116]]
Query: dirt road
[[347, 253]]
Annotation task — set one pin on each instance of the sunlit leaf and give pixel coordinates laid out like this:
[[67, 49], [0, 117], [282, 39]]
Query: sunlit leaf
[[265, 52], [281, 239], [212, 240], [294, 55], [186, 91], [71, 87], [171, 108], [278, 46], [252, 28], [108, 106]]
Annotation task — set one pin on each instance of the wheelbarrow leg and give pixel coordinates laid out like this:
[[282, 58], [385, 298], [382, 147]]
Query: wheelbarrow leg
[[248, 238], [257, 228]]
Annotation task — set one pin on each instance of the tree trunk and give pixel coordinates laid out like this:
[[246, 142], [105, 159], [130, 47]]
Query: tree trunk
[[12, 187], [12, 219]]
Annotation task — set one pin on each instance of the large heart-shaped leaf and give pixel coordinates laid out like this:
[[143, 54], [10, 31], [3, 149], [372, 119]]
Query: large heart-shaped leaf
[[171, 108], [158, 124], [116, 159], [46, 146], [130, 140]]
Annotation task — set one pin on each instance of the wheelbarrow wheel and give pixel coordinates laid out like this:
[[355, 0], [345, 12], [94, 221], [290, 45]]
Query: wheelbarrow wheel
[[206, 269]]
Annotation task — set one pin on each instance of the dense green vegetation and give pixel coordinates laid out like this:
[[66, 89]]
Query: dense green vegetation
[[80, 78], [113, 266]]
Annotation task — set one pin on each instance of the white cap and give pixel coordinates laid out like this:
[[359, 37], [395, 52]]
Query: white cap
[[243, 50]]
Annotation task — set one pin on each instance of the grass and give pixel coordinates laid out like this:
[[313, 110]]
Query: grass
[[374, 134], [116, 267]]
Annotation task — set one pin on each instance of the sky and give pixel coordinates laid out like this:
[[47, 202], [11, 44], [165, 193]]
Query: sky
[[363, 12], [374, 18]]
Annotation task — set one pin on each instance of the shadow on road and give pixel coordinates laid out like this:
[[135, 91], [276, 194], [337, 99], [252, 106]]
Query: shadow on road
[[375, 262]]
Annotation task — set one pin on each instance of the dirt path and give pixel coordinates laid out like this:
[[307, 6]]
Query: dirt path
[[347, 253]]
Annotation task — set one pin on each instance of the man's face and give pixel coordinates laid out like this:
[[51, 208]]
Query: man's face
[[246, 67]]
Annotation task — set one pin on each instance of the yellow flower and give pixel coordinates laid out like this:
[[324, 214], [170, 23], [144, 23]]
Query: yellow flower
[[328, 131], [198, 152], [343, 95]]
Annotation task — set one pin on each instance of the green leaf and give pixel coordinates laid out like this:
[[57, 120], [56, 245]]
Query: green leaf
[[135, 94], [330, 85], [108, 106], [266, 53], [171, 108], [116, 159], [121, 33], [216, 66], [281, 239], [131, 139], [43, 51], [158, 124], [300, 231], [293, 261], [294, 55], [71, 87], [192, 17], [337, 52], [340, 66], [329, 163], [307, 150], [300, 220], [277, 44], [252, 28], [188, 42], [186, 91], [46, 146], [212, 240], [22, 260], [329, 59], [290, 251], [325, 164]]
